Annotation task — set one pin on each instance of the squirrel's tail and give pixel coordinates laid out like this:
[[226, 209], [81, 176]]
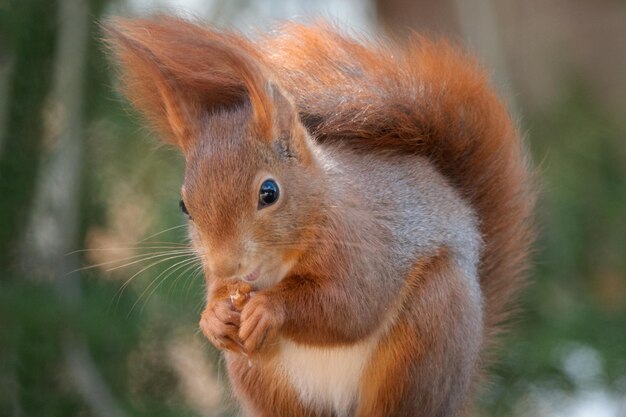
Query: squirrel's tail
[[425, 98]]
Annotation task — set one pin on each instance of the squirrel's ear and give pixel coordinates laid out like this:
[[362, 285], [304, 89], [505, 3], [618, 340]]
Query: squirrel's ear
[[284, 112], [177, 72], [170, 107], [288, 133]]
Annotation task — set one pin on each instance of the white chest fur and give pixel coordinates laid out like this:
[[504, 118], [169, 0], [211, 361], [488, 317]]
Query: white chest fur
[[326, 378]]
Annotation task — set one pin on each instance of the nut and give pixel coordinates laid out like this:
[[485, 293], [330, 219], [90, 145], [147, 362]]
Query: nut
[[239, 295]]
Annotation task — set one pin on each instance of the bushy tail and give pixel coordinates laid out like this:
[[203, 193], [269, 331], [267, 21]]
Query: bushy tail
[[424, 98]]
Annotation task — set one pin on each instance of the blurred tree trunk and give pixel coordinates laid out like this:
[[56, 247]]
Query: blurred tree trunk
[[53, 230], [32, 49], [26, 54], [7, 63]]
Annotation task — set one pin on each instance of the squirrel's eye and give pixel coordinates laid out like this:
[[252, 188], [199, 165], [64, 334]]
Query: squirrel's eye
[[268, 194], [183, 207]]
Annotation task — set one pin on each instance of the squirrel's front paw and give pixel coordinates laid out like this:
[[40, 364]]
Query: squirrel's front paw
[[261, 319], [220, 324]]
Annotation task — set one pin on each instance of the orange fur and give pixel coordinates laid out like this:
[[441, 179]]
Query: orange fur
[[328, 116], [166, 52], [427, 98], [406, 368]]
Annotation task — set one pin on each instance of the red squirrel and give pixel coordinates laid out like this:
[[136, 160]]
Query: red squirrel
[[361, 210]]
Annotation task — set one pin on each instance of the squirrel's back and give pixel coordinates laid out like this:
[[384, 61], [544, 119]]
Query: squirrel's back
[[425, 98]]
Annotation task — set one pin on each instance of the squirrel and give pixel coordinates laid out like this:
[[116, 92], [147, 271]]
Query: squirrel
[[361, 208]]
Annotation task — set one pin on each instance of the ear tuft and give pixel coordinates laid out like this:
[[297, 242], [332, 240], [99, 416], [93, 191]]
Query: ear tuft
[[289, 135], [176, 72], [148, 85], [285, 115]]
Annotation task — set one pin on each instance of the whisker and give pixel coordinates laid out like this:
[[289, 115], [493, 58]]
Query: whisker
[[191, 280], [194, 268], [201, 305], [171, 246], [179, 254], [123, 287], [163, 231], [187, 267], [152, 242], [144, 256], [173, 268]]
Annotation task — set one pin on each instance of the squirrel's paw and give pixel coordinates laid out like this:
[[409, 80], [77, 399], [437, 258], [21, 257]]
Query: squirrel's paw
[[261, 319], [220, 324]]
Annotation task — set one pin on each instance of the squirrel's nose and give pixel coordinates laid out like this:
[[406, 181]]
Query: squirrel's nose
[[225, 268]]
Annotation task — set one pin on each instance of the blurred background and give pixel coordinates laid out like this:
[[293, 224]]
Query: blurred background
[[99, 308]]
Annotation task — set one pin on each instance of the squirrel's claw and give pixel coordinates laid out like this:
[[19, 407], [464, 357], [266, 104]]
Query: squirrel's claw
[[261, 320], [221, 325]]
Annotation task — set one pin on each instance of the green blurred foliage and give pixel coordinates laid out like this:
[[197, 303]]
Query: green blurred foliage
[[577, 292], [577, 296]]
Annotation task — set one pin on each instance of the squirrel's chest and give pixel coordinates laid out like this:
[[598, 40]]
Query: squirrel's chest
[[326, 378]]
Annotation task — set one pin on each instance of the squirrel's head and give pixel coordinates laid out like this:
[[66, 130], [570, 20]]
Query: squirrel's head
[[252, 187]]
